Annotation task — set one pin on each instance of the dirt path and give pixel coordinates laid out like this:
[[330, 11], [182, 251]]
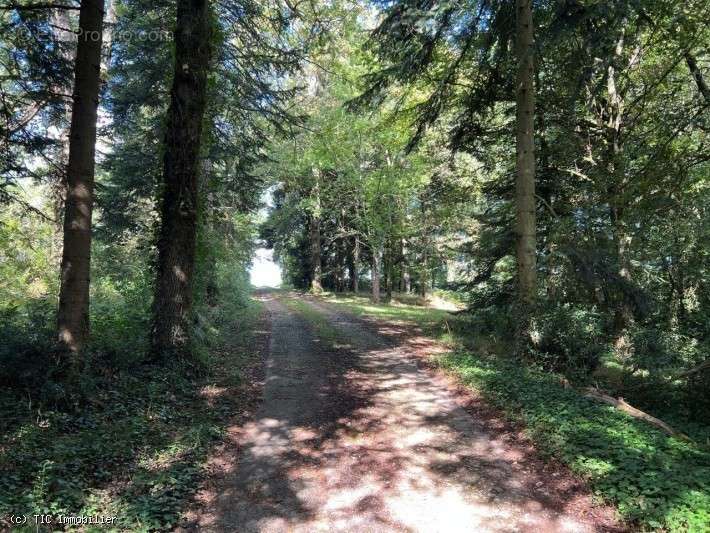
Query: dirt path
[[353, 435]]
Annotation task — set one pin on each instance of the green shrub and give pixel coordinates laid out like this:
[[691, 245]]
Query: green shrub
[[569, 339], [658, 350], [27, 363], [120, 321], [136, 448], [492, 320]]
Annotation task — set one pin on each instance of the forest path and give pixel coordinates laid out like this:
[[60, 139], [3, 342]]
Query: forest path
[[354, 435]]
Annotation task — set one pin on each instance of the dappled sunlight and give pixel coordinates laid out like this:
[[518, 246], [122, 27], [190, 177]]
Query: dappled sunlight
[[647, 472], [354, 436], [212, 393]]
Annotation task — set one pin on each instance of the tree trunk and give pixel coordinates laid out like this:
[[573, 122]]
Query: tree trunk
[[356, 266], [376, 275], [525, 166], [341, 265], [73, 313], [61, 29], [316, 267], [177, 240], [389, 271], [406, 277], [623, 316], [61, 20], [677, 311], [109, 25], [424, 277], [315, 236], [697, 76]]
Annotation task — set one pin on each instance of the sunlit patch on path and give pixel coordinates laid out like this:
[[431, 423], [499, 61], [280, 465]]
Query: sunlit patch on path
[[358, 437]]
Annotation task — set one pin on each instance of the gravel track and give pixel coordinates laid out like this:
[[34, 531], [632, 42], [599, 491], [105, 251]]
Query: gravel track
[[354, 434]]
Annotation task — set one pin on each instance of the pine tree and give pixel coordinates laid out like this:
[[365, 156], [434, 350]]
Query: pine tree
[[181, 169], [73, 313]]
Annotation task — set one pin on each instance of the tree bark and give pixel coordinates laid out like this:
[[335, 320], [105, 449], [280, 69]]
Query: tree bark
[[525, 177], [525, 167], [389, 271], [341, 265], [178, 231], [376, 275], [356, 266], [68, 44], [697, 76], [73, 312], [424, 277], [623, 316], [61, 20], [316, 266], [109, 24], [315, 236], [406, 277]]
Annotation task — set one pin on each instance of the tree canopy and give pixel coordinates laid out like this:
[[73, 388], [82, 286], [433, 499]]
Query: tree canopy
[[542, 166]]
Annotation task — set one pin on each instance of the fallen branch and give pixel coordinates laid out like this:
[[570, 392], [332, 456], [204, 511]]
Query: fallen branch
[[620, 404]]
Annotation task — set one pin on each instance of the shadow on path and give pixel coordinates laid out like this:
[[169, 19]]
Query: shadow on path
[[358, 437]]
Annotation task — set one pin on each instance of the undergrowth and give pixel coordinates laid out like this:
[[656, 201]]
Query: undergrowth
[[655, 481], [136, 449]]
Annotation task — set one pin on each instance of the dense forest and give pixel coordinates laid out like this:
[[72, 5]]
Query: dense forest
[[541, 170]]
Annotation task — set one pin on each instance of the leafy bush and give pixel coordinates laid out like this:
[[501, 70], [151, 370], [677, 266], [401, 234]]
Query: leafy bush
[[27, 364], [569, 339], [698, 396], [492, 320], [657, 350], [120, 319], [652, 376]]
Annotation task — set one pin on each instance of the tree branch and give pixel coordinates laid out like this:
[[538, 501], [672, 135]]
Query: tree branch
[[697, 76]]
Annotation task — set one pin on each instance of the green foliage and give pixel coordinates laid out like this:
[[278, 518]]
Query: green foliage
[[569, 339], [35, 75], [492, 321], [27, 304], [120, 317], [423, 182], [656, 481], [658, 351], [26, 362], [136, 450], [621, 173]]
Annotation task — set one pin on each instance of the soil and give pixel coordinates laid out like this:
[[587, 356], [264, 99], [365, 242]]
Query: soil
[[360, 433]]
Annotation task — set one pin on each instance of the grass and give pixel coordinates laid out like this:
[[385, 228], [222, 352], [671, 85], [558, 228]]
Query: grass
[[137, 451], [656, 482], [323, 329], [434, 322]]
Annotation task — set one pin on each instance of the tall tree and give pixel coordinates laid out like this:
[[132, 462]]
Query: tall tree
[[525, 162], [314, 234], [375, 274], [73, 313], [179, 209]]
